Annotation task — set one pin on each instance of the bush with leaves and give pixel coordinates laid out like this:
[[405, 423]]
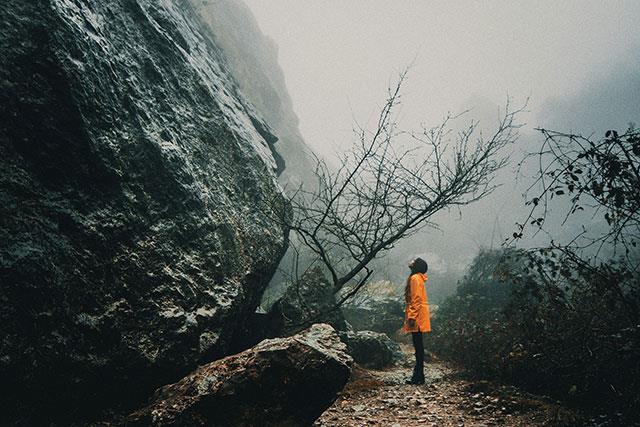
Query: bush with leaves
[[471, 327], [562, 320], [602, 176], [584, 341], [539, 320]]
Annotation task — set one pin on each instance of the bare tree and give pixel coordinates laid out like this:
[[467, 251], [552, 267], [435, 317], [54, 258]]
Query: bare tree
[[390, 185]]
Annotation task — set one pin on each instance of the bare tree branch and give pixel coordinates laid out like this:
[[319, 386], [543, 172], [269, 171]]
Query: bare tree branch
[[390, 184]]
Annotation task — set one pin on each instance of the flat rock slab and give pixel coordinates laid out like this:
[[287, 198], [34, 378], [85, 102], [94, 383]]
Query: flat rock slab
[[283, 381]]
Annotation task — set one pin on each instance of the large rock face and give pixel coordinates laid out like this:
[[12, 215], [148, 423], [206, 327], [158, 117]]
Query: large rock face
[[135, 182], [279, 382], [253, 58]]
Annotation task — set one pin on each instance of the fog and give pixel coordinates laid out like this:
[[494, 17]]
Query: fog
[[338, 56], [576, 62]]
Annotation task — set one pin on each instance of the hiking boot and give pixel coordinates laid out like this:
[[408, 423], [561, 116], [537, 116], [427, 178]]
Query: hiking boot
[[415, 381], [417, 377]]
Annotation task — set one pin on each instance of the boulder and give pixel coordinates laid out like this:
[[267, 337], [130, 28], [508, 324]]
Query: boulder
[[253, 60], [372, 349], [282, 381], [136, 183], [309, 300], [384, 315]]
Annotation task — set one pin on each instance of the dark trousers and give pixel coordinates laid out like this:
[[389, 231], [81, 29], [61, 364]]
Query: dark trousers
[[418, 346]]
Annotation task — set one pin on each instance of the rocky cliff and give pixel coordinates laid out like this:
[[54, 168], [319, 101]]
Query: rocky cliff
[[253, 57], [135, 185]]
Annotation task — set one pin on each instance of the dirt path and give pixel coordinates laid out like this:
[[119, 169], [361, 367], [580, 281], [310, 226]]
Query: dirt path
[[380, 398]]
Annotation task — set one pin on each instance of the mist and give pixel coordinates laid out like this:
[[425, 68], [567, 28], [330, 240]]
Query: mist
[[319, 212], [338, 57], [573, 64]]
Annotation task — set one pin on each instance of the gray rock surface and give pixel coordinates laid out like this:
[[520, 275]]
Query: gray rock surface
[[372, 349], [384, 315], [135, 185], [253, 59], [310, 300], [279, 382]]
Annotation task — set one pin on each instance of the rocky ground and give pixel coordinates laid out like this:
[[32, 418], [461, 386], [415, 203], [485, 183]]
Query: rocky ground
[[380, 398]]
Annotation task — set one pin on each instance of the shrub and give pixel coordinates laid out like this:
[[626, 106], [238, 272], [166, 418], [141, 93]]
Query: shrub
[[550, 323]]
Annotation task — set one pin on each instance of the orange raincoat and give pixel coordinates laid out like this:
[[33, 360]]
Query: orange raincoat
[[415, 296]]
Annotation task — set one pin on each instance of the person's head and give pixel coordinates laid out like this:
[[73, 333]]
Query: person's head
[[418, 265]]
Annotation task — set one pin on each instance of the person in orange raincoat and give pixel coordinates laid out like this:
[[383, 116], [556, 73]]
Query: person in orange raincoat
[[417, 314]]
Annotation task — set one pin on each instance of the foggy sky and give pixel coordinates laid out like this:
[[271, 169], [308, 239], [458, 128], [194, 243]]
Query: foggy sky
[[338, 56], [576, 61]]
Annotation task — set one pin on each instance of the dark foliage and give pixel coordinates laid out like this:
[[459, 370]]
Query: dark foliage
[[602, 176], [562, 320], [542, 321], [471, 327]]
